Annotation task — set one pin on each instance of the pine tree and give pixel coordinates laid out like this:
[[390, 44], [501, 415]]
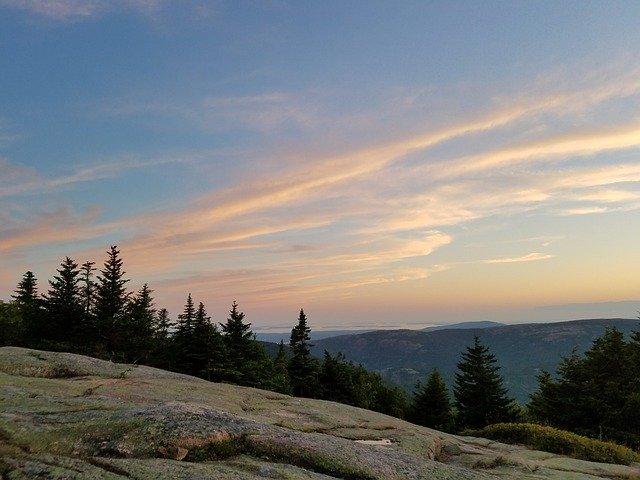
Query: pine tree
[[302, 366], [111, 300], [431, 404], [480, 397], [29, 306], [64, 308]]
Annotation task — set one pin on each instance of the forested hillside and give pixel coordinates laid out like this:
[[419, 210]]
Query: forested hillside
[[523, 351]]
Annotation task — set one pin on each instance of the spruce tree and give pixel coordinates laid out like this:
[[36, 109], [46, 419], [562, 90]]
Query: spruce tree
[[302, 366], [596, 394], [29, 305], [247, 362], [138, 324], [87, 287], [183, 335], [431, 404], [280, 381], [89, 330], [237, 336], [207, 354], [480, 397], [162, 353], [64, 308], [10, 324], [111, 300]]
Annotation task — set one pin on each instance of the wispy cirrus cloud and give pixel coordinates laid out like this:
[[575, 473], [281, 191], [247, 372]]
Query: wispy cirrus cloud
[[22, 180], [530, 257], [369, 215], [79, 9]]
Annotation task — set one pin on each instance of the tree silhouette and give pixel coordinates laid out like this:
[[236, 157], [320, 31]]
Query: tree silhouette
[[480, 397], [111, 300], [64, 320], [30, 308], [303, 367], [431, 404]]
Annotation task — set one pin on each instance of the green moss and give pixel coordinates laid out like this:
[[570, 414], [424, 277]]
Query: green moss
[[558, 441], [218, 450], [310, 460]]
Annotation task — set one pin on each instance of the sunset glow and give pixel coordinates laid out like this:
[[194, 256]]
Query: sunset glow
[[381, 164]]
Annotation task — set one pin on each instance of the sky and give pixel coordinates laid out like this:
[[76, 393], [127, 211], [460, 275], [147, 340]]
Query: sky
[[379, 164]]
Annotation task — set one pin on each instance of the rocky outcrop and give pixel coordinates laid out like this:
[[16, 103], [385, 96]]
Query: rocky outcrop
[[73, 417]]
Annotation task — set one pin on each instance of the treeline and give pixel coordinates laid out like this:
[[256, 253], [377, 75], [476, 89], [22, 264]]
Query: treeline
[[596, 394], [92, 313]]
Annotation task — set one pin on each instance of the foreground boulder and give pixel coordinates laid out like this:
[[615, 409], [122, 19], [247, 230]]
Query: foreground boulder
[[65, 416]]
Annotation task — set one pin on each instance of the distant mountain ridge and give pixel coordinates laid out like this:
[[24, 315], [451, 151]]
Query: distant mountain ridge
[[522, 351], [464, 326]]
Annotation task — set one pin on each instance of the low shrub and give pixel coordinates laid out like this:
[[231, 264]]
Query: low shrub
[[553, 440]]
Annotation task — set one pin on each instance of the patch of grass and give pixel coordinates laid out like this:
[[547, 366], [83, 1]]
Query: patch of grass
[[5, 468], [491, 463], [553, 440], [62, 371], [309, 460], [223, 447], [228, 447]]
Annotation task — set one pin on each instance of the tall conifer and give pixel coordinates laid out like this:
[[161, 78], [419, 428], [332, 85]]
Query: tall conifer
[[29, 306], [303, 368], [480, 397], [64, 308], [111, 300]]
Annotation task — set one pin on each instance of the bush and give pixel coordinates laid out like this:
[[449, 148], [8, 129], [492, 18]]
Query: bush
[[557, 441]]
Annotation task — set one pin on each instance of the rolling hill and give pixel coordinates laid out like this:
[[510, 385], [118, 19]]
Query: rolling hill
[[523, 351]]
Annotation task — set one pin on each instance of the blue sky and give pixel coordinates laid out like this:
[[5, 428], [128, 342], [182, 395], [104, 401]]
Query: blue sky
[[378, 163]]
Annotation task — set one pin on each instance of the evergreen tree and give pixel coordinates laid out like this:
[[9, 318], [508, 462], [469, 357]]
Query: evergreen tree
[[302, 366], [480, 397], [87, 287], [336, 380], [64, 309], [280, 381], [208, 357], [431, 404], [162, 353], [596, 394], [183, 336], [237, 339], [10, 324], [29, 306], [138, 325], [247, 362], [111, 300], [88, 331]]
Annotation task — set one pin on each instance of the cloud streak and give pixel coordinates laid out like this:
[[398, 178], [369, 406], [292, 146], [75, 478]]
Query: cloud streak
[[78, 9], [331, 226], [530, 257]]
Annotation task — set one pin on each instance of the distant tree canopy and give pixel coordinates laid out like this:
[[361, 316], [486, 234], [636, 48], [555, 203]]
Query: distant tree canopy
[[596, 394]]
